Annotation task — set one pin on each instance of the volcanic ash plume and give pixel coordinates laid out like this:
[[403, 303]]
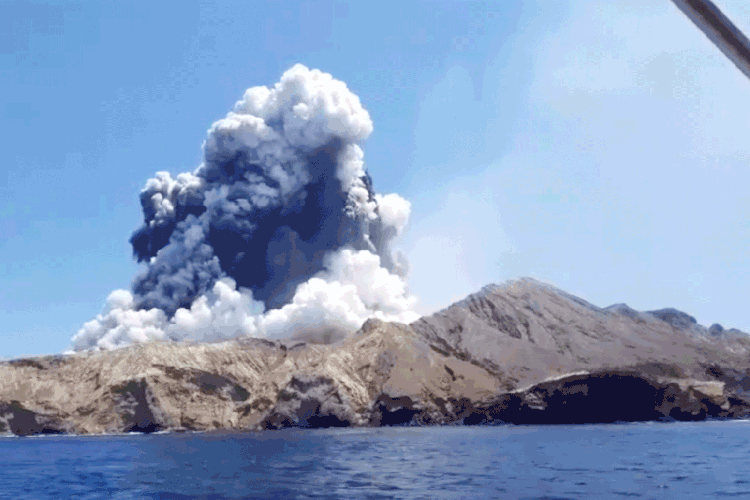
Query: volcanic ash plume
[[278, 232]]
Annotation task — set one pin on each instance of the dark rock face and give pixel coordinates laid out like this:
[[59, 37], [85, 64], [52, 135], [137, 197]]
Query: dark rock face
[[607, 397], [600, 398], [135, 403], [389, 411], [677, 319], [23, 422], [736, 379], [208, 383], [309, 401], [716, 329], [43, 363], [625, 310]]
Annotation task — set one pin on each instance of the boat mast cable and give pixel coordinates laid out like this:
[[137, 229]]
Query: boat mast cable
[[720, 30]]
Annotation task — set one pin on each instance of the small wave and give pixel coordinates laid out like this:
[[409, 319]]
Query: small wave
[[547, 498]]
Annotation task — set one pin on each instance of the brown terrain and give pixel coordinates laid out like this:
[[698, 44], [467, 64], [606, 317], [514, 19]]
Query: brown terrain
[[520, 352]]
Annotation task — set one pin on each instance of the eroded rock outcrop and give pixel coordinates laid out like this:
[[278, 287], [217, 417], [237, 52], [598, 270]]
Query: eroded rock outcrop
[[18, 420], [310, 401], [611, 396], [521, 352]]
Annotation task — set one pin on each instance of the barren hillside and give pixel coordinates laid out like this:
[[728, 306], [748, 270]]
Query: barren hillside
[[521, 352]]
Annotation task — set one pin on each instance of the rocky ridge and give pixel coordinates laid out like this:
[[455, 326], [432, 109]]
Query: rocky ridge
[[519, 352]]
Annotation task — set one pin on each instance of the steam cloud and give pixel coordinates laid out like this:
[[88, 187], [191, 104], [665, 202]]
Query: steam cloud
[[278, 232]]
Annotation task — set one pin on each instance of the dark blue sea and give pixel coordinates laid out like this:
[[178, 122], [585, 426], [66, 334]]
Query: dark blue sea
[[658, 460]]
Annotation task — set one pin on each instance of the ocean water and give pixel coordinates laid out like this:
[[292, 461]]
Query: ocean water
[[657, 460]]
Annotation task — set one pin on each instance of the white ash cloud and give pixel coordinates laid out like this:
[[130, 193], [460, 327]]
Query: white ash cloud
[[277, 233]]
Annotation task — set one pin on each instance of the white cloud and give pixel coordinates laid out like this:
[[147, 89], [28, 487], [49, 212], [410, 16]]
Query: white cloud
[[328, 307]]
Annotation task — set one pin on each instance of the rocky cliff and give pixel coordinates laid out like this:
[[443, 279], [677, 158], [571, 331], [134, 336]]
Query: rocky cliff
[[521, 352]]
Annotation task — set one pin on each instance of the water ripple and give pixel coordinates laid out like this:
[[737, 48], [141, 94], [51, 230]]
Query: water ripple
[[565, 462]]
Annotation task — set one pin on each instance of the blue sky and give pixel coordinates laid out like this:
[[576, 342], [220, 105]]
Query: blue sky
[[599, 146]]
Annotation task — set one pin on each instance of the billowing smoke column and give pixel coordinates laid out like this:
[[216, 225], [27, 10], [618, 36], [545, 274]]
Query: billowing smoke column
[[277, 233]]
